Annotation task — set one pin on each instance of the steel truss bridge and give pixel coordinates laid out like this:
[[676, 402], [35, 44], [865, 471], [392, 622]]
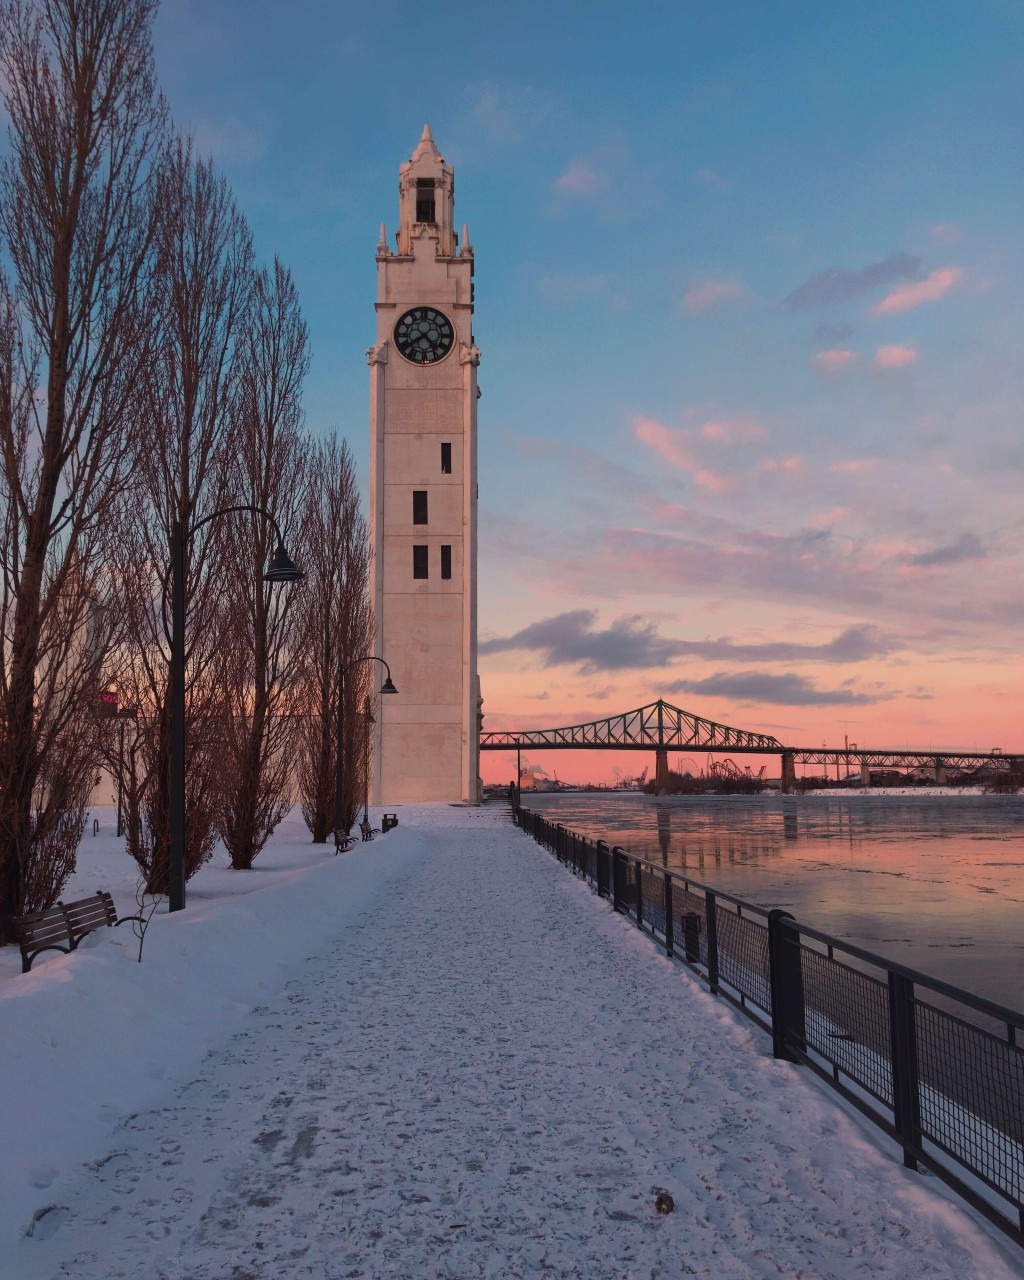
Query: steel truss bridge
[[660, 727], [653, 726]]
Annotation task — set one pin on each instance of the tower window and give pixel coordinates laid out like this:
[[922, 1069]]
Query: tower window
[[446, 459], [419, 562], [419, 506], [425, 200], [446, 562]]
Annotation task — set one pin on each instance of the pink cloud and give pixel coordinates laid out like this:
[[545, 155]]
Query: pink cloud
[[733, 431], [669, 443], [834, 516], [791, 464], [829, 363], [894, 357], [713, 481], [854, 466], [580, 179], [909, 296], [701, 298]]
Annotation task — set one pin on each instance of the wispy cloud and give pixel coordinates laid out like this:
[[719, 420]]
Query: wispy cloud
[[853, 466], [967, 547], [829, 363], [840, 284], [739, 430], [573, 638], [671, 444], [930, 289], [789, 690], [509, 113], [712, 180], [580, 178], [894, 357], [632, 642], [702, 298]]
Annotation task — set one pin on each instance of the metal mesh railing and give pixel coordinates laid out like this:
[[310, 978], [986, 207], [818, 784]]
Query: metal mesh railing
[[847, 1021], [972, 1083], [944, 1074], [743, 957]]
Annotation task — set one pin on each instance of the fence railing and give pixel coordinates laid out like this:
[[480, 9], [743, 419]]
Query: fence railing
[[938, 1069]]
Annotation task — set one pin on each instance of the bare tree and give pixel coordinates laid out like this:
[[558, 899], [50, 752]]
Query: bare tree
[[335, 628], [85, 122], [258, 672], [200, 303]]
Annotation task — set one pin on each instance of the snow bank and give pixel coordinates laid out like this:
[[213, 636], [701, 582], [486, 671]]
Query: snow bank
[[91, 1037]]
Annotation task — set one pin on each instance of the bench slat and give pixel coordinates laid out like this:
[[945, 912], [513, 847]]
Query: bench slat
[[87, 917]]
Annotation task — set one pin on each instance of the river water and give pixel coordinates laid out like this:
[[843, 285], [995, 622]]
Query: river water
[[935, 881]]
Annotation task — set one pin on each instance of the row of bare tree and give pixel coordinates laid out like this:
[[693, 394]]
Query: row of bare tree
[[151, 372]]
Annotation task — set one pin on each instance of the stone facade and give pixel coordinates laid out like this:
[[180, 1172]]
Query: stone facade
[[423, 394]]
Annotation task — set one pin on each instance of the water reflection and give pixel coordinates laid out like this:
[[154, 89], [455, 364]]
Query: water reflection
[[937, 882]]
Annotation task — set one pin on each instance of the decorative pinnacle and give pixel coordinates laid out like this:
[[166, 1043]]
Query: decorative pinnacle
[[427, 146], [382, 243], [466, 248]]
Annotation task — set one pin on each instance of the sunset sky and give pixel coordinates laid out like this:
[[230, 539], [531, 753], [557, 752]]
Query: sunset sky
[[748, 284]]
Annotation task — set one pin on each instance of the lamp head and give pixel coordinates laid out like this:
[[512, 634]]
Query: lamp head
[[388, 686], [282, 567]]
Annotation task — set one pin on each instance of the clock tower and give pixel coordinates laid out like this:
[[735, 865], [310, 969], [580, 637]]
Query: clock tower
[[423, 486]]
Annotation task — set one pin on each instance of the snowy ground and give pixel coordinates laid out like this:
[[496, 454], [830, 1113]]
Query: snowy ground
[[436, 1056]]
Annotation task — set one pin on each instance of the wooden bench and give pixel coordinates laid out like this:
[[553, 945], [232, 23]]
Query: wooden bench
[[366, 830], [62, 928]]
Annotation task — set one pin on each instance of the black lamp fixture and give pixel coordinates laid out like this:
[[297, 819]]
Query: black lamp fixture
[[282, 567]]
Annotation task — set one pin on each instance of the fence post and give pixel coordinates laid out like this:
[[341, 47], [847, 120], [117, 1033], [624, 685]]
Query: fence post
[[903, 1039], [601, 859], [787, 986], [711, 917], [669, 919], [638, 897], [618, 879]]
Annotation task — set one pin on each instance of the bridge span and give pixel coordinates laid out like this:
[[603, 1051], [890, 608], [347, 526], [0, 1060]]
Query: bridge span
[[660, 727]]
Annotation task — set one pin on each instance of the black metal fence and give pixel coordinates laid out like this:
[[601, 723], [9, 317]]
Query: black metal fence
[[938, 1069]]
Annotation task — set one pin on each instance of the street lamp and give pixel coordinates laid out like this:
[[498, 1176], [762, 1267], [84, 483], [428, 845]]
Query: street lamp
[[368, 719], [282, 569], [339, 782], [124, 713]]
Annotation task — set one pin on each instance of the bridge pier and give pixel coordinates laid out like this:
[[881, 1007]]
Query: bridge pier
[[865, 774], [940, 771], [661, 771], [788, 773]]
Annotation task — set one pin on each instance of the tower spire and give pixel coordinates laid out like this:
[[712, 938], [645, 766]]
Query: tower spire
[[427, 146]]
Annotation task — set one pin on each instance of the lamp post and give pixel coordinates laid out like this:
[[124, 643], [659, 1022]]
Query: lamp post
[[368, 719], [282, 569], [339, 781], [125, 713]]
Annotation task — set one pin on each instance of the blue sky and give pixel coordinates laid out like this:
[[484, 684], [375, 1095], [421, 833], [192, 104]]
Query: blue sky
[[749, 302]]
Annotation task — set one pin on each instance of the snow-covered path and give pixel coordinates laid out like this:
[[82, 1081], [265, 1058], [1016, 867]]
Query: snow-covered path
[[489, 1074]]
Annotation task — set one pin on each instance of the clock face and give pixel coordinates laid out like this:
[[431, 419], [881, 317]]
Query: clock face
[[424, 335]]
